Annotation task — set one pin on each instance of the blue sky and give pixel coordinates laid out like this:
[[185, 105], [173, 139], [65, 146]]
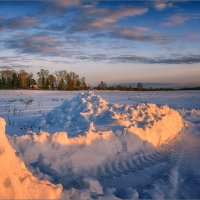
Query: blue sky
[[114, 41]]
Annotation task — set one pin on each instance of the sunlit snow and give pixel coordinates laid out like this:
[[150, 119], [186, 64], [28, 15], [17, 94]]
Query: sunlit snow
[[125, 145]]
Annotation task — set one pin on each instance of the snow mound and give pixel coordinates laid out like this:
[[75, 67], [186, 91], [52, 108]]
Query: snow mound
[[64, 155], [88, 111], [80, 137], [77, 115], [16, 182], [97, 132], [159, 124]]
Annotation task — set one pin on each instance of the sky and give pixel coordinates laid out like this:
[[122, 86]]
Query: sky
[[114, 41]]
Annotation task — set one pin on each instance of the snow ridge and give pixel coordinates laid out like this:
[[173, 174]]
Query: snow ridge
[[90, 140], [96, 130], [88, 111]]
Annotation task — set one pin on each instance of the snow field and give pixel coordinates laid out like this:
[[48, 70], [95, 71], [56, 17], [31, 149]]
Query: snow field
[[99, 149]]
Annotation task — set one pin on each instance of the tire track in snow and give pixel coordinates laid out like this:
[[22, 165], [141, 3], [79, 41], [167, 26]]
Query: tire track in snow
[[159, 166], [127, 163], [184, 177]]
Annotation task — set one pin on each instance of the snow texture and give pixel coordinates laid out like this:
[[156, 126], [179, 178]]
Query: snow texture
[[16, 182], [88, 111], [101, 150]]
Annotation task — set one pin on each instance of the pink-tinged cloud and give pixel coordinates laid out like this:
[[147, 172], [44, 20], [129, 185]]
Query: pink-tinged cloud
[[136, 35], [30, 21], [42, 38], [37, 44], [102, 23], [67, 3], [108, 17], [141, 28], [162, 5], [17, 23], [129, 12], [106, 20], [179, 19]]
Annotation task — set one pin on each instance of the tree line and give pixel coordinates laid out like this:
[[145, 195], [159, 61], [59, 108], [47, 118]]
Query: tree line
[[139, 87], [60, 80], [63, 80], [103, 86]]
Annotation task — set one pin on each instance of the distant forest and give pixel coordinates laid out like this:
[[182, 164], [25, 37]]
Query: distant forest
[[59, 80], [62, 80]]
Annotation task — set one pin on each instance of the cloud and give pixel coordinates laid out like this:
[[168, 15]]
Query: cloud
[[88, 23], [12, 62], [14, 67], [179, 59], [131, 34], [172, 59], [106, 16], [17, 23], [67, 3], [6, 67], [91, 18], [96, 20], [56, 27], [57, 7], [161, 5], [43, 45], [38, 43], [115, 59], [8, 59], [179, 19], [141, 28], [106, 58]]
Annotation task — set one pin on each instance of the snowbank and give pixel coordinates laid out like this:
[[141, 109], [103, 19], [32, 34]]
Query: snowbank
[[86, 133], [88, 111], [159, 124], [97, 133], [64, 155], [16, 182]]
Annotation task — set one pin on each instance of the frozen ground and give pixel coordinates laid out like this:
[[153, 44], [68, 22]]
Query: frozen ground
[[117, 146]]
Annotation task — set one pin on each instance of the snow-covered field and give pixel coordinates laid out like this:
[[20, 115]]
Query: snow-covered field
[[100, 144]]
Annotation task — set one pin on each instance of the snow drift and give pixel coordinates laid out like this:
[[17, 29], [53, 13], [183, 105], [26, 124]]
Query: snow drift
[[76, 141], [88, 111], [16, 182], [94, 132], [159, 124]]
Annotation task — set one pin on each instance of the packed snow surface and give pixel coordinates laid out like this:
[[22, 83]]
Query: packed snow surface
[[129, 146]]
